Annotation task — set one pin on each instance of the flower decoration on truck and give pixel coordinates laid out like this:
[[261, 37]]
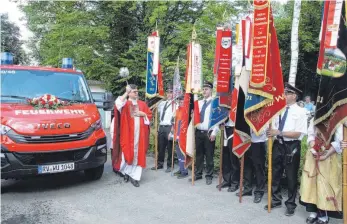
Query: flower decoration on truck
[[47, 101]]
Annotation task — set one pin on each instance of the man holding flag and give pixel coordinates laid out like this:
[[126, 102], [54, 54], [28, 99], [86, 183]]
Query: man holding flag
[[204, 138], [165, 112], [289, 128]]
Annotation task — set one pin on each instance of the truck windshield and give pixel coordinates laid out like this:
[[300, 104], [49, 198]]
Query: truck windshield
[[19, 85]]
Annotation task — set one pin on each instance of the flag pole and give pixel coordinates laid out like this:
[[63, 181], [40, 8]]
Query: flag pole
[[173, 148], [221, 160], [156, 137], [241, 177], [269, 173], [344, 203]]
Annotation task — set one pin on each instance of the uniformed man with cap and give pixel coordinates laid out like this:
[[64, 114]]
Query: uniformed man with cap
[[165, 113], [288, 129], [205, 138]]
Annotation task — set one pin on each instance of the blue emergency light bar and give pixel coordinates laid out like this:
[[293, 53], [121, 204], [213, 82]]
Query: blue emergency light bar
[[6, 58], [67, 63]]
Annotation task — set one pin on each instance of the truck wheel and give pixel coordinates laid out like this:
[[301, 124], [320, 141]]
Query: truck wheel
[[94, 173]]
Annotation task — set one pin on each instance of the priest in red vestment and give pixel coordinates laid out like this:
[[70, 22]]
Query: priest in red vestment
[[135, 118]]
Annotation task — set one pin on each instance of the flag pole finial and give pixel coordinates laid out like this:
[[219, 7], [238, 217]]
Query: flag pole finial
[[194, 36]]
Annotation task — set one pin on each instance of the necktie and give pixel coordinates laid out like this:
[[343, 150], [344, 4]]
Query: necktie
[[202, 112], [164, 110], [283, 120]]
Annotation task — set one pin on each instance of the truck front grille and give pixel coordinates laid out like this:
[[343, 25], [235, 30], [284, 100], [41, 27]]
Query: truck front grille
[[51, 157], [27, 139]]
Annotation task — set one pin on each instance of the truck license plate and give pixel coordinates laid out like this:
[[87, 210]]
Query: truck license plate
[[56, 168]]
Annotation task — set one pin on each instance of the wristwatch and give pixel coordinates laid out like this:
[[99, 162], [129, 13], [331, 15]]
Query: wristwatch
[[281, 134]]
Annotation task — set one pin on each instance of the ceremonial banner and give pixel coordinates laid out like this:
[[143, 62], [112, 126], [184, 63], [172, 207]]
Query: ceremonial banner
[[190, 115], [267, 102], [187, 134], [260, 43], [331, 109], [223, 61], [242, 133], [177, 86], [238, 55], [247, 41], [242, 136], [154, 79]]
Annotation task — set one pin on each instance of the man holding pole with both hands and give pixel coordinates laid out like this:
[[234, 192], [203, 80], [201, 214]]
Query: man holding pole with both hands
[[165, 112]]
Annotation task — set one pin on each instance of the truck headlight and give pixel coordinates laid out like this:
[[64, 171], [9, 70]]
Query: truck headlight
[[4, 129], [97, 125]]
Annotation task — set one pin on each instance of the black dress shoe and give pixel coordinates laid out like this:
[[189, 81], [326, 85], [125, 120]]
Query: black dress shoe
[[158, 168], [118, 173], [233, 188], [135, 183], [178, 172], [168, 170], [126, 178], [224, 184], [311, 220], [248, 193], [290, 211], [277, 205], [208, 181], [181, 176], [257, 198], [195, 178]]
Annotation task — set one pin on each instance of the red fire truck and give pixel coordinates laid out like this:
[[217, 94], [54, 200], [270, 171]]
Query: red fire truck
[[49, 122]]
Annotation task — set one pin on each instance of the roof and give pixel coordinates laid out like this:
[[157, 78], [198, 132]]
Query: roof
[[40, 68]]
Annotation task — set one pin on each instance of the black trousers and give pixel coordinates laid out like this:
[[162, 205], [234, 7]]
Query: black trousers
[[204, 149], [282, 160], [255, 164], [164, 144], [231, 164]]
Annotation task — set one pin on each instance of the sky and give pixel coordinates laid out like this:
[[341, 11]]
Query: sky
[[15, 15]]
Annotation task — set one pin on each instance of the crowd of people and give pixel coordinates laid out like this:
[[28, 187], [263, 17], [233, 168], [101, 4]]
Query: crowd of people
[[321, 180]]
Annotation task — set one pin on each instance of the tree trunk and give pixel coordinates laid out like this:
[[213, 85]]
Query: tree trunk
[[294, 43]]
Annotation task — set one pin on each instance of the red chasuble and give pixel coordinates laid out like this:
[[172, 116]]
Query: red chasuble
[[126, 138]]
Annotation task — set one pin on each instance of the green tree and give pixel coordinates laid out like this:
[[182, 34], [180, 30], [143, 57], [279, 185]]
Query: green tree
[[10, 40], [309, 28], [103, 36]]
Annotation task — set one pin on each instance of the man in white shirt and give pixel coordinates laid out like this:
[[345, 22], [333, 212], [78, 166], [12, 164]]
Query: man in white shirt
[[255, 164], [204, 138], [165, 113], [289, 129]]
